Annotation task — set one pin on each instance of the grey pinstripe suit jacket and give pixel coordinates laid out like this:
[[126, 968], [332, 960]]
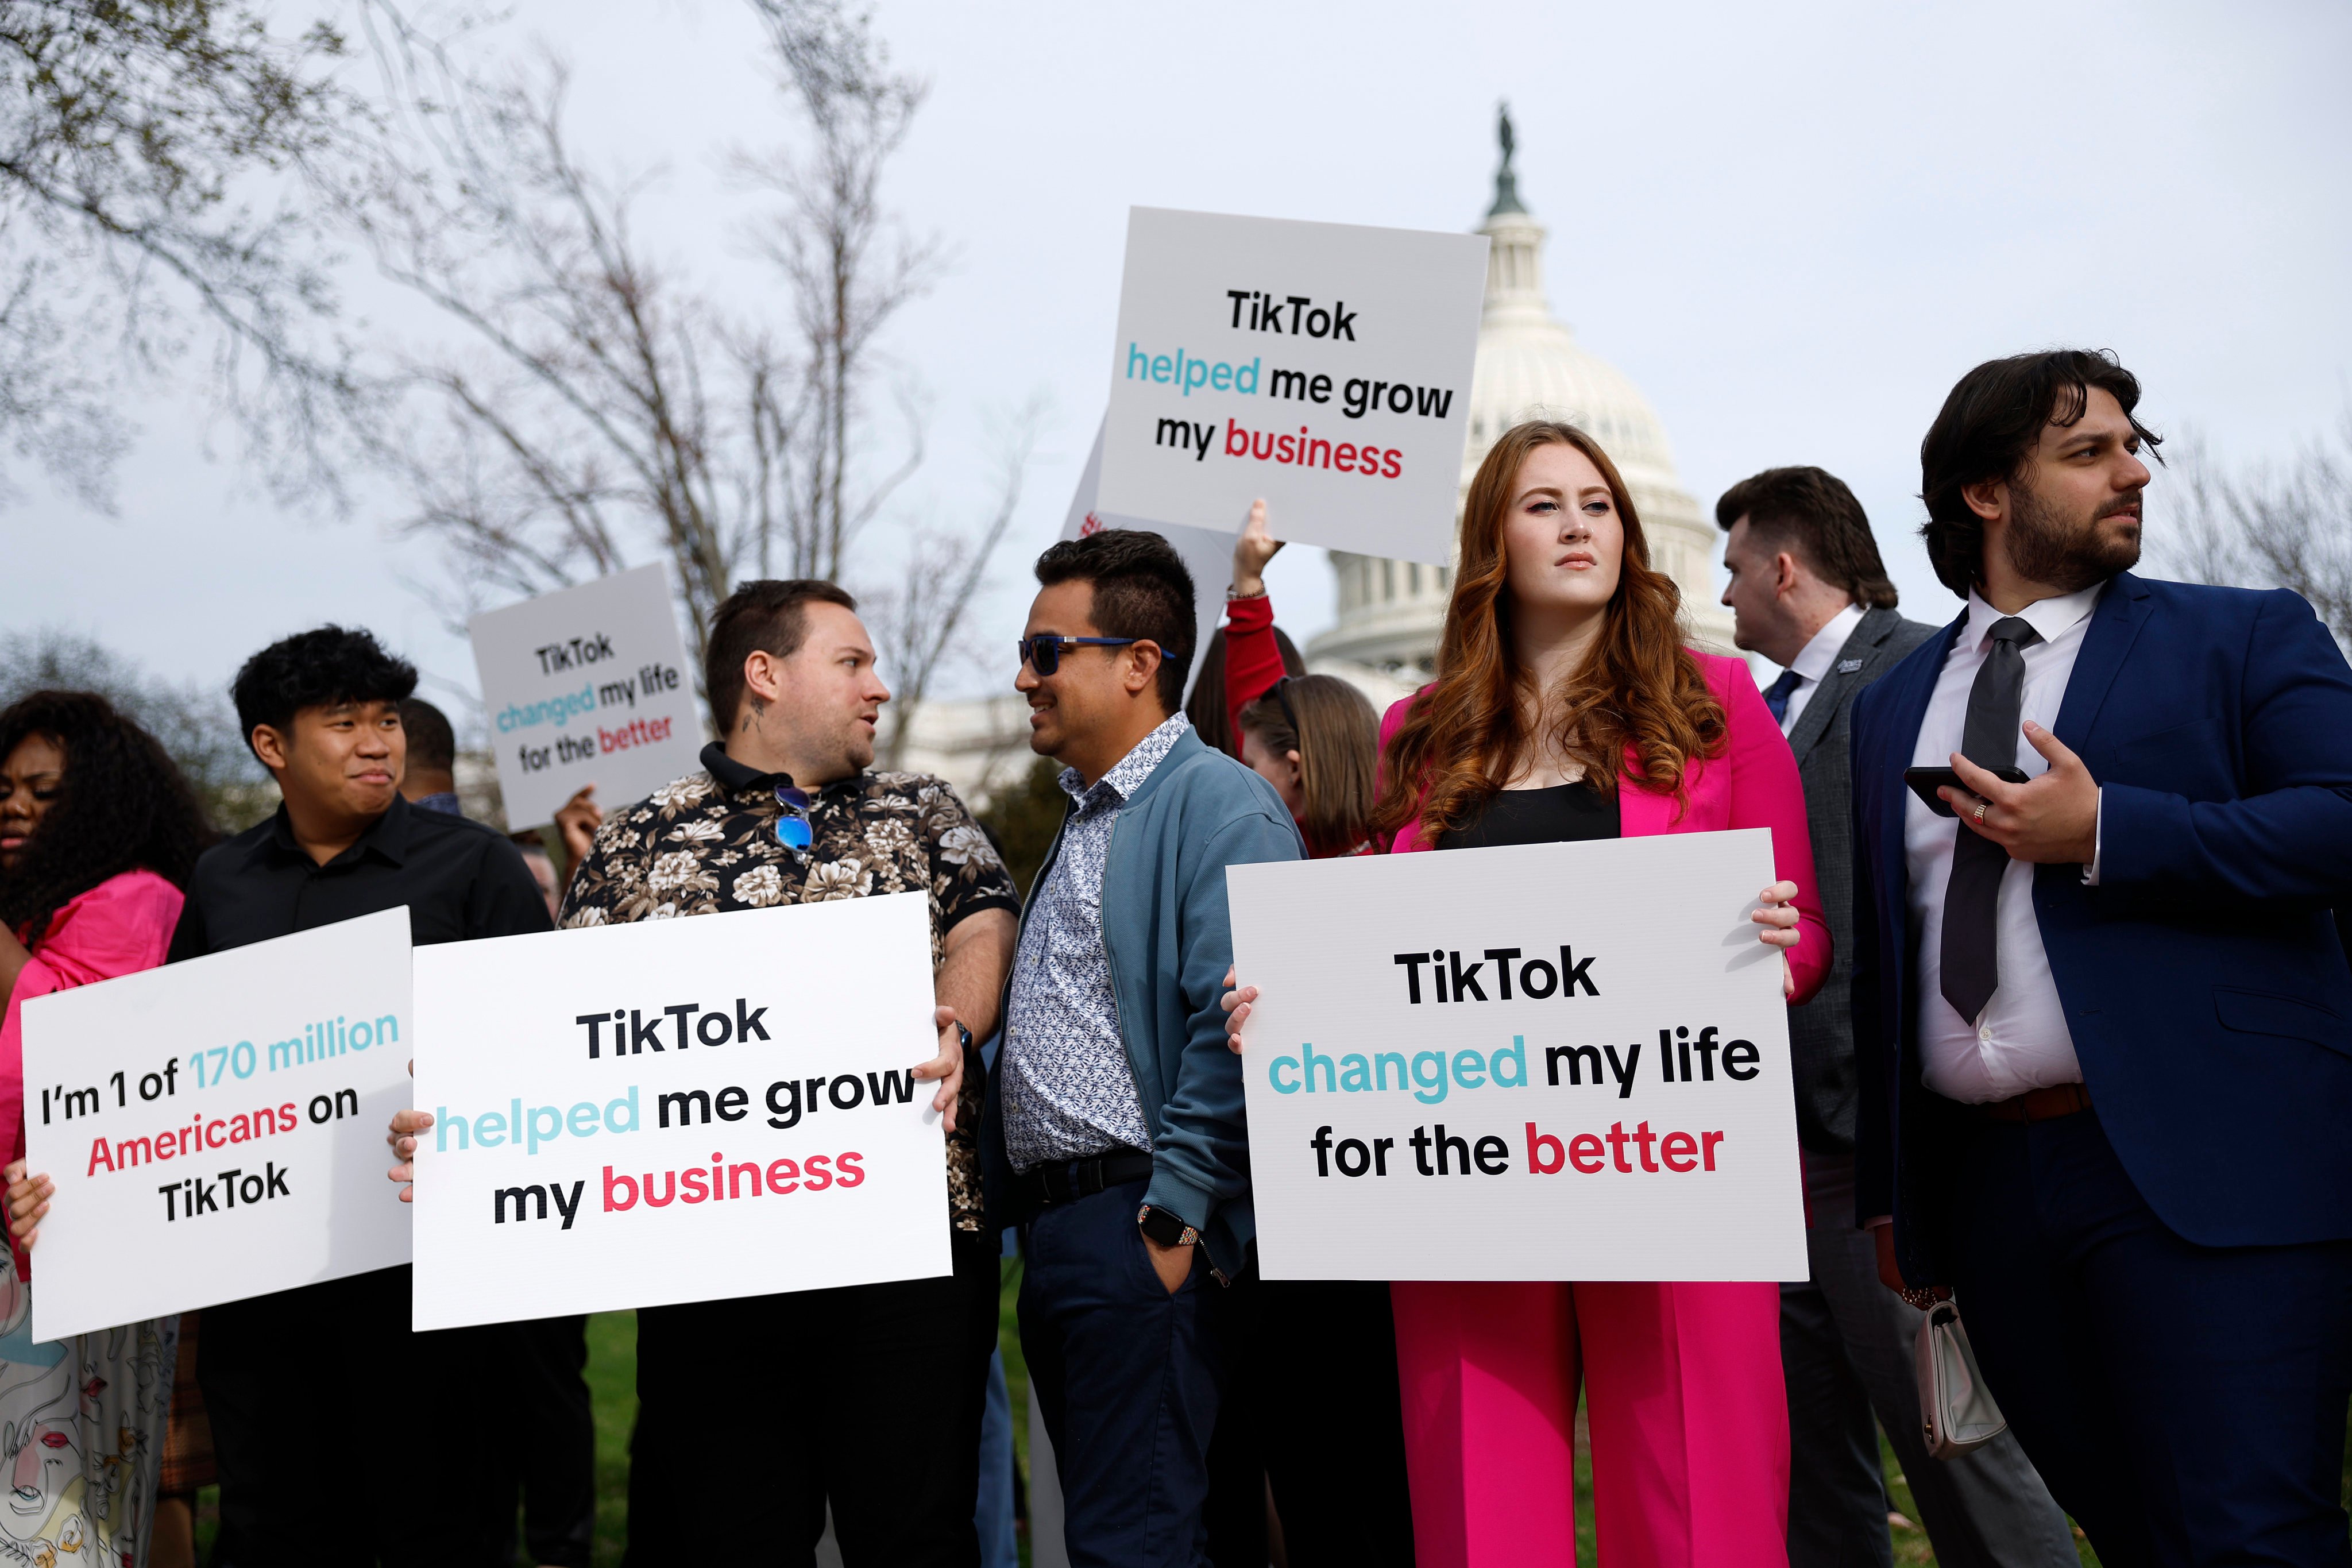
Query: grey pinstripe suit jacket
[[1821, 1033]]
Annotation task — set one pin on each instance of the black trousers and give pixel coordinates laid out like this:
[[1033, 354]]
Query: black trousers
[[344, 1440], [2186, 1404], [1312, 1410], [551, 1466], [752, 1413]]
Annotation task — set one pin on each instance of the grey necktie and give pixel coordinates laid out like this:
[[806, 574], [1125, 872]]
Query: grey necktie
[[1970, 966]]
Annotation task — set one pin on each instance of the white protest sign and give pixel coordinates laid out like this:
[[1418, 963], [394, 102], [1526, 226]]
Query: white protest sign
[[1208, 554], [1559, 1061], [678, 1111], [586, 686], [1324, 366], [216, 1127]]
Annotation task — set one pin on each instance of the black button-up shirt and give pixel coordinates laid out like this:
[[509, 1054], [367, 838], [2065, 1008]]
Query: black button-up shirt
[[460, 879]]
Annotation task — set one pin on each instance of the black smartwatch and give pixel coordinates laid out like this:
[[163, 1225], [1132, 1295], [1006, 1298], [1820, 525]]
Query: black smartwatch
[[962, 1034], [1165, 1228]]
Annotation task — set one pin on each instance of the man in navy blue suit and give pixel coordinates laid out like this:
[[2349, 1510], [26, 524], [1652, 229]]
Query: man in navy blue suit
[[2104, 1021]]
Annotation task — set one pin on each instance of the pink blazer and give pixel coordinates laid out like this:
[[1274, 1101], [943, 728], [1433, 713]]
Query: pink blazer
[[1752, 784], [122, 925]]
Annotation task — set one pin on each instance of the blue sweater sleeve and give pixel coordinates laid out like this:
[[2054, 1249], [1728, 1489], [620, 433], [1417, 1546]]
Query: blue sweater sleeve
[[1200, 1159]]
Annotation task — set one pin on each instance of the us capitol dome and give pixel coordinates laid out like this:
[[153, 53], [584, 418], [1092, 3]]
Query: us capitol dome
[[1385, 641], [1530, 366]]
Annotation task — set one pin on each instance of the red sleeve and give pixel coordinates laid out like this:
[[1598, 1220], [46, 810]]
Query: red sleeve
[[1767, 793], [1253, 658]]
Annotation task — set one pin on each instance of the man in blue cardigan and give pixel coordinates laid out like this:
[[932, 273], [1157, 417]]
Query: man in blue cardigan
[[2105, 1020], [1115, 1133]]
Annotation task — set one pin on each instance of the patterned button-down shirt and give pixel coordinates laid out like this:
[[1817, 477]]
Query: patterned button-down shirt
[[706, 844], [1068, 1091]]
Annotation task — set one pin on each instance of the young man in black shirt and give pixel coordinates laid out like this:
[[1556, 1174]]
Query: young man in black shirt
[[301, 1386]]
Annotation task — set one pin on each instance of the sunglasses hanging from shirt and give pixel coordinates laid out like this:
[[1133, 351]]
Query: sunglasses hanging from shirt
[[792, 829], [1042, 652]]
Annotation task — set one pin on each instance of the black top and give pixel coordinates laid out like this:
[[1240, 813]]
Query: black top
[[459, 879], [1564, 814]]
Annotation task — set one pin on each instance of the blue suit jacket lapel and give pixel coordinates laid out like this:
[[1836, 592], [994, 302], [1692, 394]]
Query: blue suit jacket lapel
[[1908, 688], [2107, 641]]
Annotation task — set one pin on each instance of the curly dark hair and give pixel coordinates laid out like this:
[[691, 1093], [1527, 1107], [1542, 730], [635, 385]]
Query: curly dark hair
[[317, 668], [123, 807]]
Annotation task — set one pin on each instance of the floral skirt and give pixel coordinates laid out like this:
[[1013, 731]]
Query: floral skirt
[[81, 1436]]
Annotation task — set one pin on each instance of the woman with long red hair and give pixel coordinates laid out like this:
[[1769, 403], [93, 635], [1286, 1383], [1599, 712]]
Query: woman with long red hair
[[1566, 707]]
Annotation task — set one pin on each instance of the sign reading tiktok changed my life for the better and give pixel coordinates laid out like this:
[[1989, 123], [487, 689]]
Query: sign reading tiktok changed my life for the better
[[678, 1111], [1558, 1061], [216, 1127], [588, 685]]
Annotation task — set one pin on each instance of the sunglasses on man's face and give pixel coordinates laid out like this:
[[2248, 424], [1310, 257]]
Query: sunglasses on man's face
[[792, 827], [1042, 652]]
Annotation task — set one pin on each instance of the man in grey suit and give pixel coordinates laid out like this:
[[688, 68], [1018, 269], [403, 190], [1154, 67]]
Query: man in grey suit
[[1809, 592]]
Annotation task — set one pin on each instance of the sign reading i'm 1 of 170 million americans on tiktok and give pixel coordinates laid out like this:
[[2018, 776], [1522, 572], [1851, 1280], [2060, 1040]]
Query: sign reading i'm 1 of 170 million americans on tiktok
[[1323, 366], [1553, 1061], [678, 1111], [215, 1128], [587, 686]]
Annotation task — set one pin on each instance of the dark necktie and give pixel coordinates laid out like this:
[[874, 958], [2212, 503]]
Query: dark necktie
[[1970, 968], [1777, 695]]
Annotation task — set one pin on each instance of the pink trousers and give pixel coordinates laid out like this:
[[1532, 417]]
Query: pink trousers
[[1688, 1414]]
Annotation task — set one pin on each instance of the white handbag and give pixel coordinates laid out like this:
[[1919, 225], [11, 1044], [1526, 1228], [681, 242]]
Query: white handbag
[[1955, 1405]]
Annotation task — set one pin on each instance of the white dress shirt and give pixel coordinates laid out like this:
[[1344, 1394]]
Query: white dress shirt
[[2022, 1041], [1814, 662]]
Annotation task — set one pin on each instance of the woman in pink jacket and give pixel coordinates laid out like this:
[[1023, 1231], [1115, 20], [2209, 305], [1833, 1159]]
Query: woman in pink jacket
[[1565, 707], [99, 833]]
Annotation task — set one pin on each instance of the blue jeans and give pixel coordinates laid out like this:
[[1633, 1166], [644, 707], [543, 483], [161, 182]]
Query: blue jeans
[[1128, 1377]]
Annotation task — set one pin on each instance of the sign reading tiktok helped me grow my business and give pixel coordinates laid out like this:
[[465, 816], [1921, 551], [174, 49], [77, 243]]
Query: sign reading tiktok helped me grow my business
[[587, 686], [215, 1128], [1558, 1062], [1323, 366], [678, 1111]]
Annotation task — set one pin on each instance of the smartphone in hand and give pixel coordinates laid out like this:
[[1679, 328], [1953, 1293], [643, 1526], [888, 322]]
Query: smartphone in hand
[[1925, 782]]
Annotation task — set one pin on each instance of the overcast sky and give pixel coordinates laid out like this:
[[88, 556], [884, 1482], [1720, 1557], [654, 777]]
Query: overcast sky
[[1793, 227]]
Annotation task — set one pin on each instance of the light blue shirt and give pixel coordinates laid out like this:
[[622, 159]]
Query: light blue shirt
[[1068, 1091]]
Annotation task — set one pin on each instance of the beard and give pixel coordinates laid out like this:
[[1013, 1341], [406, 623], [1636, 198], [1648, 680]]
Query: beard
[[2046, 546]]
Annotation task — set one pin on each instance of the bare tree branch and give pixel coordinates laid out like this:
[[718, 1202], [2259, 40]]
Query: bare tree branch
[[2272, 527], [599, 405], [158, 164], [921, 618]]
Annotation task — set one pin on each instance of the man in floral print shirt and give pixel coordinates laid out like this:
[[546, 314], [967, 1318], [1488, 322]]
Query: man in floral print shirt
[[869, 1395]]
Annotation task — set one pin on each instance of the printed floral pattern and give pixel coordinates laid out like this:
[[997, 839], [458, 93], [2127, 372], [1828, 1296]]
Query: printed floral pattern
[[695, 848]]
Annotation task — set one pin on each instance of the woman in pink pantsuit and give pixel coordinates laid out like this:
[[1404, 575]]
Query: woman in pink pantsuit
[[1567, 708]]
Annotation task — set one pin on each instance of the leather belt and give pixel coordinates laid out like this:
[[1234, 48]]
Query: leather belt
[[1074, 1179], [2038, 1104]]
